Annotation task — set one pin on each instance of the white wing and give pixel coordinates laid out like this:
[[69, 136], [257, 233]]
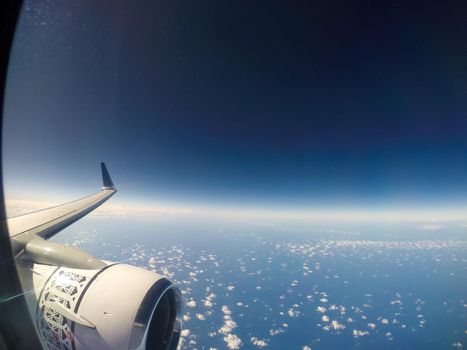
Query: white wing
[[47, 222], [28, 232]]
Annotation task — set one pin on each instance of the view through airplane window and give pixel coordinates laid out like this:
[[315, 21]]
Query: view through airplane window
[[276, 175]]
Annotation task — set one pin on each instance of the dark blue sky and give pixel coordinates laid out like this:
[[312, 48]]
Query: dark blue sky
[[259, 103]]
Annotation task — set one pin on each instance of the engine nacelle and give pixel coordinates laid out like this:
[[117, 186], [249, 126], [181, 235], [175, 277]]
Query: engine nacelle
[[116, 307]]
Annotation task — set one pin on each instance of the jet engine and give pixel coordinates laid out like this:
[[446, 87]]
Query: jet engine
[[118, 306], [80, 302]]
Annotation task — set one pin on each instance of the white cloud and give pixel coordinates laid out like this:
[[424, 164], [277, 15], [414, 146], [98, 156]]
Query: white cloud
[[225, 309], [191, 303], [336, 325], [261, 343], [276, 331], [233, 342], [152, 262], [358, 333], [293, 313]]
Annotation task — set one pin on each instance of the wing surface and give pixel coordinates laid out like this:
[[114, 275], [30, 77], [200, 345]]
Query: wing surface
[[47, 222]]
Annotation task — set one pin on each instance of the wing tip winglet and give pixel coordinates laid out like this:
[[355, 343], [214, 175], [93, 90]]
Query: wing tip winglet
[[107, 183]]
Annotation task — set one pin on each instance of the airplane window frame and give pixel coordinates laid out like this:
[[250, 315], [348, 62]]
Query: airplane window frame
[[17, 330]]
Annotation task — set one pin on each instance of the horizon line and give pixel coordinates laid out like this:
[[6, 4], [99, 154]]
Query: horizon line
[[153, 209]]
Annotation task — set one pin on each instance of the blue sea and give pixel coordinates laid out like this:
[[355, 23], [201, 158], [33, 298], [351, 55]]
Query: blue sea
[[299, 285]]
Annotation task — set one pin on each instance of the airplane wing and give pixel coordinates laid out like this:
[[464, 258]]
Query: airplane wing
[[29, 232], [47, 222]]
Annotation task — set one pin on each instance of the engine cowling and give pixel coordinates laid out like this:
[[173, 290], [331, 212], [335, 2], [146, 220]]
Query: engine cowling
[[116, 307]]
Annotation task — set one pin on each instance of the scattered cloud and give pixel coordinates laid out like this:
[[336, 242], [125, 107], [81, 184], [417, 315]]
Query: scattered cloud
[[233, 342], [261, 343], [191, 303]]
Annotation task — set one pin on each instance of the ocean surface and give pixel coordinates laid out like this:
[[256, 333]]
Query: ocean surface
[[298, 285]]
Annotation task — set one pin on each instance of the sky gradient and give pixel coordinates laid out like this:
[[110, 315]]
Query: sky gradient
[[265, 105]]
